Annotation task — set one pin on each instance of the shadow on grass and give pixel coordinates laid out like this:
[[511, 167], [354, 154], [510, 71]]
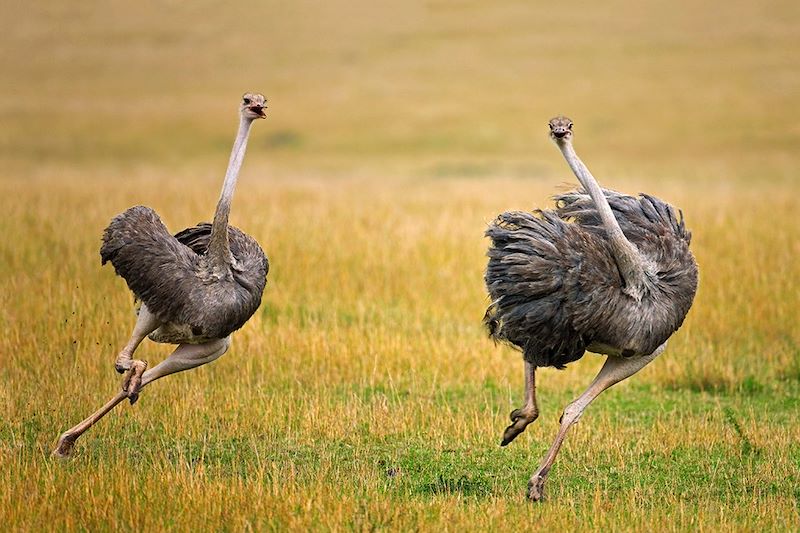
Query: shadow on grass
[[748, 386], [420, 471], [464, 485]]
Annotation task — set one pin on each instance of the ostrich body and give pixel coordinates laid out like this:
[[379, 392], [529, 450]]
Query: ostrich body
[[603, 272], [195, 288]]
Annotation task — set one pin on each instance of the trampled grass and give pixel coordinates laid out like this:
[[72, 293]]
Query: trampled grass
[[364, 394]]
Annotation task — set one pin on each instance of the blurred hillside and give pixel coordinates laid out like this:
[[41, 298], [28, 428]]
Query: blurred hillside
[[711, 88]]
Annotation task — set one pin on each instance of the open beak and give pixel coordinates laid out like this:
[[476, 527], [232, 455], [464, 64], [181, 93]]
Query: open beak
[[259, 110]]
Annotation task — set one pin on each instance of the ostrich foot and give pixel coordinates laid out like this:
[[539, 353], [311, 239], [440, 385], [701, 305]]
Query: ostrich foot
[[520, 418], [536, 487], [123, 363], [65, 445], [133, 380]]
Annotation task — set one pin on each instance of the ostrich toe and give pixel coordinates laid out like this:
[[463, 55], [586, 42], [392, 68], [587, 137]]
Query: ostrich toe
[[64, 447], [123, 363], [133, 379], [536, 487], [520, 418]]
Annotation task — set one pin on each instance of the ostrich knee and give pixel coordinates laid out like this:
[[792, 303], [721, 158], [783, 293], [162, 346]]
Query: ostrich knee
[[571, 414]]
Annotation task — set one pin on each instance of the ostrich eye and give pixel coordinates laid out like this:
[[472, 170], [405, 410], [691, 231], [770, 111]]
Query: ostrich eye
[[570, 126], [551, 126], [246, 101]]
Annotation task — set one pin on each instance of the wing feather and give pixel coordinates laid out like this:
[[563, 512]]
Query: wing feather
[[158, 268]]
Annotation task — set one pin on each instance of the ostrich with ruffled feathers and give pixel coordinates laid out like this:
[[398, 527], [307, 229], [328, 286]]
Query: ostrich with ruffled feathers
[[602, 272]]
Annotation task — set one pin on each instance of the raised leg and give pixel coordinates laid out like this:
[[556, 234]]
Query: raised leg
[[520, 418], [184, 357], [187, 356], [614, 370], [146, 323]]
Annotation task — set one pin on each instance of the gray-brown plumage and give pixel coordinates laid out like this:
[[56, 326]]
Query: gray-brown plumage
[[601, 271], [556, 289], [195, 288], [175, 279]]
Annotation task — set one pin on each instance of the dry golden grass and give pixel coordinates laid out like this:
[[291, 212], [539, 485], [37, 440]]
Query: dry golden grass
[[364, 394], [368, 357]]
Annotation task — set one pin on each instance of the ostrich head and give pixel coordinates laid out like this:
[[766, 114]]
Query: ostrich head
[[560, 129], [253, 106]]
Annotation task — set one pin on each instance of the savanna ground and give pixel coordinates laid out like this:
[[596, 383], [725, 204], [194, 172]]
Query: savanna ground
[[364, 393]]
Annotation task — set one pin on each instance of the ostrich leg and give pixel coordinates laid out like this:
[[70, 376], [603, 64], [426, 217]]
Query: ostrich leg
[[184, 357], [614, 370], [520, 418], [67, 440], [146, 323]]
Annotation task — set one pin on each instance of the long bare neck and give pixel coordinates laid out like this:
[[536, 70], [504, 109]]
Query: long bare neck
[[219, 250], [627, 256]]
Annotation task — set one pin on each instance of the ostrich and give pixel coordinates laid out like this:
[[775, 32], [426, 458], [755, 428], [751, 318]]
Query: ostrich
[[603, 272], [195, 288]]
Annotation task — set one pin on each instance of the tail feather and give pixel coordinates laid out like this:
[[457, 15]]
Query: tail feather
[[197, 237]]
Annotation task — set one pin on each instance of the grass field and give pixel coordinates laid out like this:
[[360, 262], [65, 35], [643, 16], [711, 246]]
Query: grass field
[[364, 394]]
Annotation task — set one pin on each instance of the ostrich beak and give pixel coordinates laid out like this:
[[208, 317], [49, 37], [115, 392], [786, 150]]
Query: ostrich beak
[[259, 110]]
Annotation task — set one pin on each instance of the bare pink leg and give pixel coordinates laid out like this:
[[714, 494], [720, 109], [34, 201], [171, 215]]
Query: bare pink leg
[[187, 356], [67, 440], [614, 370], [184, 357], [146, 323], [520, 418]]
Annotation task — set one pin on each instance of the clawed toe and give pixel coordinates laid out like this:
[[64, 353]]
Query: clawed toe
[[520, 418], [133, 380], [64, 447], [123, 364], [536, 488]]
